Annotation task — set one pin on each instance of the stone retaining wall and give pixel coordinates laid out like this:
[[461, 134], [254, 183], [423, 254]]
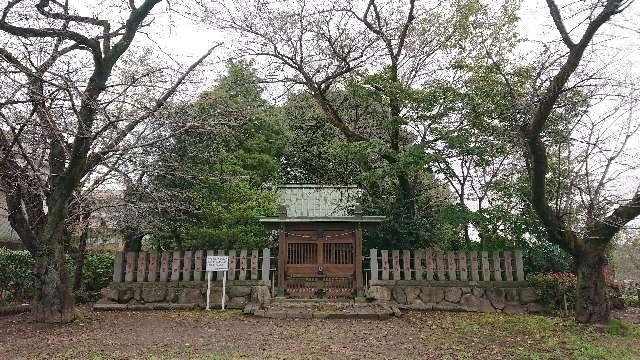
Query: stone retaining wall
[[239, 293], [507, 297]]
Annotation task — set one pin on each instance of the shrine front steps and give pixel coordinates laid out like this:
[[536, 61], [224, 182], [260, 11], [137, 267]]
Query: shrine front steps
[[323, 309]]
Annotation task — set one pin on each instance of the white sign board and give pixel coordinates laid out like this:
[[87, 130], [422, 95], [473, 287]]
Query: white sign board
[[217, 263]]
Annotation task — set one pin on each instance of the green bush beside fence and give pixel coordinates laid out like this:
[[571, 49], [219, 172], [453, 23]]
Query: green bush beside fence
[[556, 290], [16, 277]]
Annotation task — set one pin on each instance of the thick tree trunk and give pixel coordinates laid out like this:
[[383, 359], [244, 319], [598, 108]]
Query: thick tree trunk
[[132, 239], [591, 302], [467, 236], [52, 301], [407, 197]]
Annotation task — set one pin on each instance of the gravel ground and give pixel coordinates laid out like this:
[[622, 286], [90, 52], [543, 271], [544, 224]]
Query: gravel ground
[[218, 335]]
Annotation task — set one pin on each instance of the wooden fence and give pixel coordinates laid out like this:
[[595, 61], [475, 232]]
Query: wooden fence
[[189, 265], [435, 265]]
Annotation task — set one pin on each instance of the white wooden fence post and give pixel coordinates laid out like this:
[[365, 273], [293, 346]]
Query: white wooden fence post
[[373, 263], [395, 259], [232, 265], [142, 267], [385, 264], [451, 265], [118, 263], [519, 266], [462, 265], [406, 264], [175, 265], [152, 269], [243, 265], [497, 270], [473, 256], [486, 274], [130, 274], [508, 269], [430, 264], [254, 264], [417, 263], [266, 264], [197, 265]]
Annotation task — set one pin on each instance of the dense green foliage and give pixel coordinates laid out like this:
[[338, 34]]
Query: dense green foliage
[[217, 174], [556, 290], [16, 278], [220, 174], [98, 272], [423, 167]]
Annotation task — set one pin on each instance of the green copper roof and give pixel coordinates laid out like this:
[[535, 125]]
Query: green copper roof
[[319, 201], [341, 219]]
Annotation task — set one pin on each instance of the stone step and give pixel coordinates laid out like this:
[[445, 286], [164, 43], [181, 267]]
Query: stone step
[[143, 307], [285, 309]]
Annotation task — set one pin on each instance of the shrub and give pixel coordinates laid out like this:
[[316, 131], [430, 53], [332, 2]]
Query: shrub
[[630, 293], [553, 289], [16, 278], [98, 271]]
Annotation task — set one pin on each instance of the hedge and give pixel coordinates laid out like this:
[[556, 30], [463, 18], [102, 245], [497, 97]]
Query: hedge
[[554, 289], [16, 277]]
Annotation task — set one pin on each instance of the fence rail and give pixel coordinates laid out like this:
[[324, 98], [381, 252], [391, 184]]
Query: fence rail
[[177, 265], [435, 265], [422, 264]]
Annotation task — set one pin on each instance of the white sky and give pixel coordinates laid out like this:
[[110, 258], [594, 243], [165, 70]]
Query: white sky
[[186, 39]]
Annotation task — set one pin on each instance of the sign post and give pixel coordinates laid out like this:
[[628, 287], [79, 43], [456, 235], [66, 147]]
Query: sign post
[[208, 287], [217, 263]]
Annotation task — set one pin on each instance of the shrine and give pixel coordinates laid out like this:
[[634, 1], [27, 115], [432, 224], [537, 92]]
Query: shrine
[[320, 231]]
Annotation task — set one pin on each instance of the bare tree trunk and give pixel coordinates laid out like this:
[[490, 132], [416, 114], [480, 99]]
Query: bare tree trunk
[[591, 302], [52, 300], [407, 197], [588, 251], [467, 237]]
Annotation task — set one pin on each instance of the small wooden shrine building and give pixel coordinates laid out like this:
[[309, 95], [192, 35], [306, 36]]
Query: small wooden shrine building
[[320, 241]]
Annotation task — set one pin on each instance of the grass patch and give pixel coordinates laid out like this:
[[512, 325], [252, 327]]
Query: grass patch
[[216, 357], [217, 314], [622, 328], [539, 337], [329, 309]]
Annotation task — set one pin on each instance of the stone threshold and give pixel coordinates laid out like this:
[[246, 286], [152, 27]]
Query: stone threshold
[[323, 309], [311, 301], [14, 309], [144, 307]]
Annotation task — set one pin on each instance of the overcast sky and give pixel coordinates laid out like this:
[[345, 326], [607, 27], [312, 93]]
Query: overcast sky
[[184, 38]]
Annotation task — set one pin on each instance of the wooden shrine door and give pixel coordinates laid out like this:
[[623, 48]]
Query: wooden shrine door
[[320, 263]]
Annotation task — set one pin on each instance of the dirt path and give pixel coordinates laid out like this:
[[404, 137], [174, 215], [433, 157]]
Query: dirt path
[[215, 335]]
